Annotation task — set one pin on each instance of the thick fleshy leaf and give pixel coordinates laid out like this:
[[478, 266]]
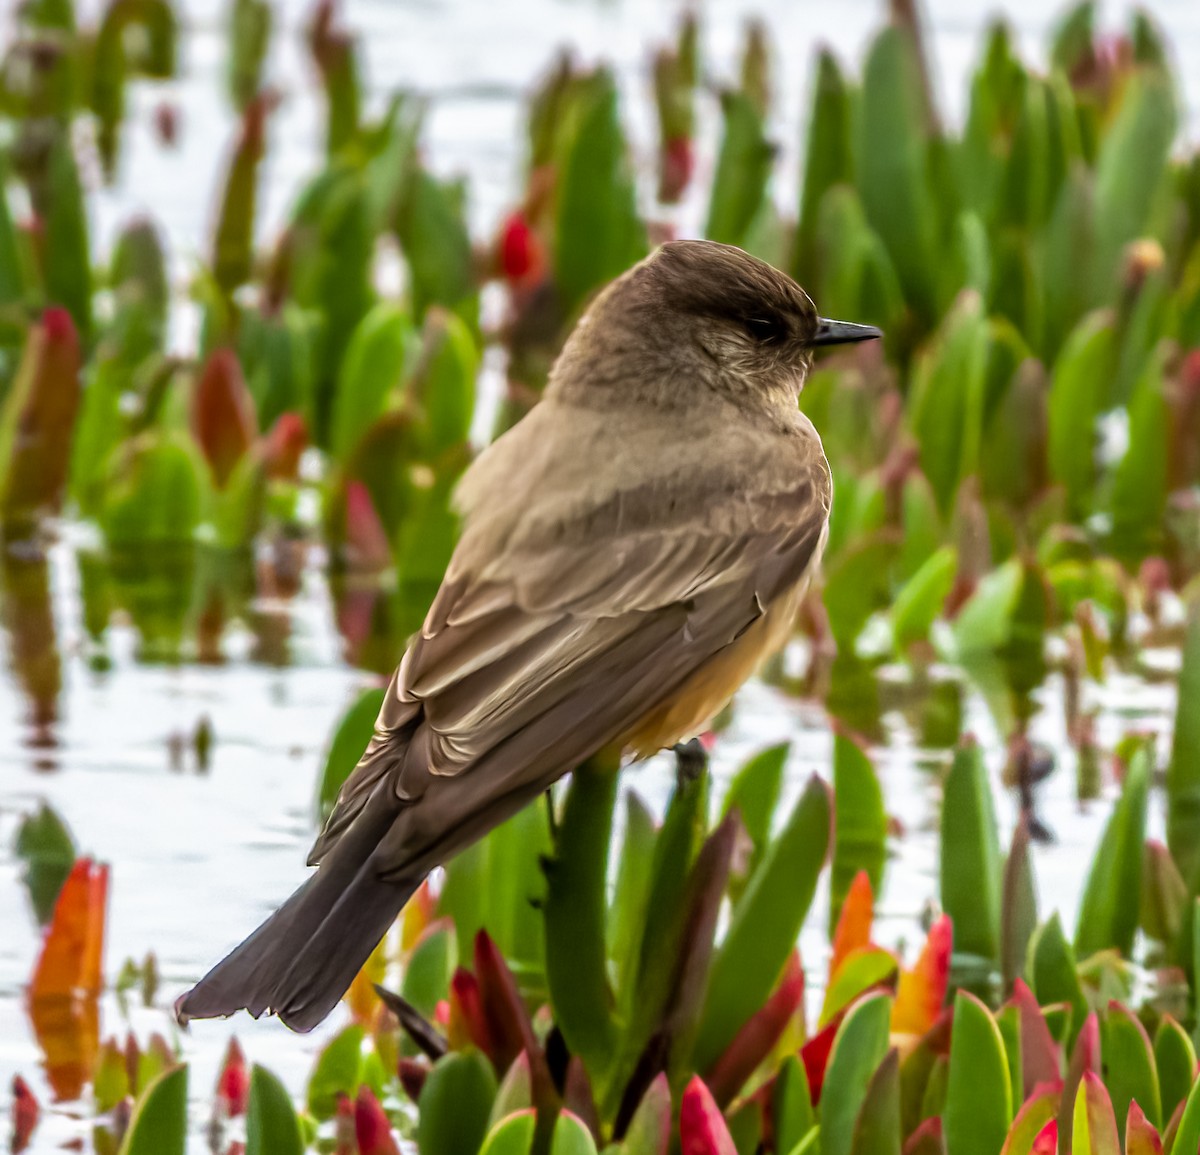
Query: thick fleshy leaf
[[36, 424], [349, 741], [854, 923], [1175, 1062], [1164, 894], [1129, 1069], [1095, 1126], [72, 958], [45, 846], [927, 1139], [382, 351], [890, 162], [743, 170], [272, 1127], [511, 1135], [1141, 1136], [515, 1092], [970, 858], [792, 1114], [1074, 404], [1037, 1112], [979, 1106], [917, 1066], [702, 1128], [159, 1125], [1187, 1135], [859, 1049], [1085, 1059], [754, 791], [1183, 772], [649, 1131], [1111, 904], [597, 232], [758, 1035], [571, 1136], [372, 1129], [507, 1018], [222, 414], [1018, 906], [765, 924], [921, 992], [1052, 974], [860, 971], [338, 1072], [233, 239], [815, 1056], [574, 910], [919, 602], [1041, 1061], [877, 1129], [860, 832], [455, 1104]]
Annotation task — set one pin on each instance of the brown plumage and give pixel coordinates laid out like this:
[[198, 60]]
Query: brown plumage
[[629, 553]]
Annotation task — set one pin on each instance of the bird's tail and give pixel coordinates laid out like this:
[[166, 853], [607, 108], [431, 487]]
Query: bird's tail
[[300, 962]]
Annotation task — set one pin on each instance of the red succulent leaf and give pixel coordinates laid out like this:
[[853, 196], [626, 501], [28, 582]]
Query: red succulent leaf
[[753, 1042], [467, 1020], [927, 1139], [677, 163], [222, 416], [508, 1020], [815, 1057], [371, 1126], [921, 992], [367, 545], [72, 952], [1141, 1137], [1046, 1140], [853, 930], [702, 1128], [25, 1111], [1040, 1054]]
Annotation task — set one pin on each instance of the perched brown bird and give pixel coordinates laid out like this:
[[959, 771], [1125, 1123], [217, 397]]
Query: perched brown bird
[[630, 552]]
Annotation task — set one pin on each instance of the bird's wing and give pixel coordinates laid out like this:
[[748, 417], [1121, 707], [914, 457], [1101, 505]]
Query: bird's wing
[[528, 664]]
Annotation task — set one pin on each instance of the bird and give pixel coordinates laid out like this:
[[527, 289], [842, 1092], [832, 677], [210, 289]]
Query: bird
[[629, 553]]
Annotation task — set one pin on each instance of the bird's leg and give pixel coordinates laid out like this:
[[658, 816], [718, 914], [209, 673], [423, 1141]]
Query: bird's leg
[[691, 760]]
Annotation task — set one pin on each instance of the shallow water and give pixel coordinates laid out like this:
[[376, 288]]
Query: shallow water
[[199, 858]]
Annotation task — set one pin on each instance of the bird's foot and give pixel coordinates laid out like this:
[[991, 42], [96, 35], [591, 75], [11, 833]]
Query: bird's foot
[[691, 760]]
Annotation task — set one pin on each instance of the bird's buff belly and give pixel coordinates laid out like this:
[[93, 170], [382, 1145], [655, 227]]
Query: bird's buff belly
[[690, 708]]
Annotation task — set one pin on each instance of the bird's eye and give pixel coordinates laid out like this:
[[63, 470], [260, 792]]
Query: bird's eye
[[767, 330]]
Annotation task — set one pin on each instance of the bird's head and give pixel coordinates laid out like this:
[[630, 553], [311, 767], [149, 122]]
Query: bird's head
[[698, 313]]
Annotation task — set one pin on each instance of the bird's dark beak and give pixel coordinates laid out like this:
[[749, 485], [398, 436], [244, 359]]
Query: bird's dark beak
[[844, 333]]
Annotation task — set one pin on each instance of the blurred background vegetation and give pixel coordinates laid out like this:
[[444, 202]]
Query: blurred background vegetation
[[242, 458]]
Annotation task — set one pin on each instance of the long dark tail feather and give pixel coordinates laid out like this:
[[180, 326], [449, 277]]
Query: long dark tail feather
[[321, 936]]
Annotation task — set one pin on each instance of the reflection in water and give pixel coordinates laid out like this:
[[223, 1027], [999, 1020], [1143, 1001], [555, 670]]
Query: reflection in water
[[28, 620]]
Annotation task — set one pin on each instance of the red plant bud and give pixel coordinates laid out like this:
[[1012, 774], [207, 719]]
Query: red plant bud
[[521, 258], [677, 163], [371, 1126], [233, 1083], [702, 1127]]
